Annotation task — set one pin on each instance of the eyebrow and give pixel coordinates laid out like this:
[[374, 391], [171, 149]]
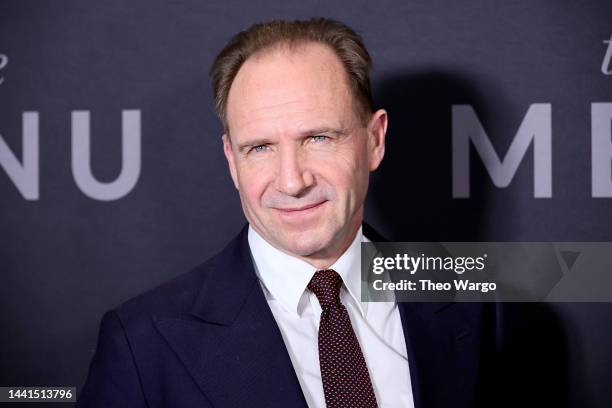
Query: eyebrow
[[324, 129]]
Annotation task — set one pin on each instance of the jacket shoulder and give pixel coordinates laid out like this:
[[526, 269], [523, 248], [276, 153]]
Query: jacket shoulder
[[174, 296], [177, 296]]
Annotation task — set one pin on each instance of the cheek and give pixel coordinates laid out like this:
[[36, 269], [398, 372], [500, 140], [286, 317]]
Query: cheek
[[344, 176], [253, 180], [348, 168]]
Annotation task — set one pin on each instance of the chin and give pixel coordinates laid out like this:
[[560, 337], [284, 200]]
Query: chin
[[305, 243]]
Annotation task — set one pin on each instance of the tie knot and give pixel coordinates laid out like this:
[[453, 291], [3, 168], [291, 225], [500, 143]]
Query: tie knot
[[325, 284]]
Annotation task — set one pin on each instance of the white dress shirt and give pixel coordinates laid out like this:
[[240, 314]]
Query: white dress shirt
[[377, 325]]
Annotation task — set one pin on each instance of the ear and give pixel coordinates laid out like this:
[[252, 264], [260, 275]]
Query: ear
[[377, 130], [229, 156]]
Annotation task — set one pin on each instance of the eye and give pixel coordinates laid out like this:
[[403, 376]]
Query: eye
[[319, 138], [259, 148]]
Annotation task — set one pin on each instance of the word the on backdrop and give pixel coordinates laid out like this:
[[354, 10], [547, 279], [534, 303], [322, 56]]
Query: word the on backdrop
[[3, 64], [606, 69], [25, 173]]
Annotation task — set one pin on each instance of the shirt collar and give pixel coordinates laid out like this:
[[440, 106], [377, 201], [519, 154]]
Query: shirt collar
[[286, 277]]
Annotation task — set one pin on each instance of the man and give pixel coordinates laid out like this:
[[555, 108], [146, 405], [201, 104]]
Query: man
[[275, 319]]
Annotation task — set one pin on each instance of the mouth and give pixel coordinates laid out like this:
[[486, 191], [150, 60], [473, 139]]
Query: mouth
[[295, 212], [302, 208]]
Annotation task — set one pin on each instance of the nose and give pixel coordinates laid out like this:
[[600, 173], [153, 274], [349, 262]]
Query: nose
[[293, 177]]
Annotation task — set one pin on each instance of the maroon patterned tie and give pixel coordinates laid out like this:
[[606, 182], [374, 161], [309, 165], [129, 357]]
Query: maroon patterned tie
[[346, 381]]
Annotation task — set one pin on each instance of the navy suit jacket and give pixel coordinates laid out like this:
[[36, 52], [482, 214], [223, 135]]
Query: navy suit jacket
[[208, 339]]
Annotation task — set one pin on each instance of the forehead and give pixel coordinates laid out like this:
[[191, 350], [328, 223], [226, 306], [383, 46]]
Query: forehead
[[288, 89]]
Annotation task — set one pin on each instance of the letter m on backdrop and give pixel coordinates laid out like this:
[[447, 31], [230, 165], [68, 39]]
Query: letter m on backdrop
[[536, 127]]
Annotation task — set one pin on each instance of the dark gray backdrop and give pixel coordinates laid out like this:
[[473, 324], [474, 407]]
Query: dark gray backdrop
[[65, 258]]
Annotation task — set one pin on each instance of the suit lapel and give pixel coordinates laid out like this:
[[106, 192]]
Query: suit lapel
[[443, 344], [234, 349]]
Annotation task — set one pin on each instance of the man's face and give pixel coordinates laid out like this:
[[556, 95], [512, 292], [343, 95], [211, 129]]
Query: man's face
[[298, 153]]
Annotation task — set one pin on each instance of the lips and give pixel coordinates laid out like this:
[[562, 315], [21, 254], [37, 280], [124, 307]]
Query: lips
[[302, 208]]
